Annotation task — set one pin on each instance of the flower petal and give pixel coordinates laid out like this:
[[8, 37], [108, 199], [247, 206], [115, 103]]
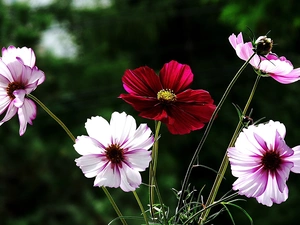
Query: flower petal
[[98, 128], [142, 81], [175, 76], [86, 145], [27, 114], [25, 54]]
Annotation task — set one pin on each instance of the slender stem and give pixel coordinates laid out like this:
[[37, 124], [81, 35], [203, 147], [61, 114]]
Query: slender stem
[[141, 207], [224, 164], [114, 205], [73, 139], [206, 132], [161, 202], [153, 167], [52, 115]]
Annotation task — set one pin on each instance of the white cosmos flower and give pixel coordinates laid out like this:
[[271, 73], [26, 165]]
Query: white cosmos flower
[[114, 153], [262, 161]]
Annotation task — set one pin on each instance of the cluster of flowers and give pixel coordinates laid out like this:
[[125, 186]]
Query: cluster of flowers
[[116, 152]]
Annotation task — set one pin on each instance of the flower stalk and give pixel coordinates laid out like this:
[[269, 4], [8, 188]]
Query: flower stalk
[[153, 167], [220, 175], [206, 132], [50, 113]]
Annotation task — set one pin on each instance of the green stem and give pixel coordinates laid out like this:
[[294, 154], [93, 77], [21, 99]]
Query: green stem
[[153, 167], [224, 164], [141, 207], [114, 205], [52, 115], [161, 202], [47, 110], [206, 132]]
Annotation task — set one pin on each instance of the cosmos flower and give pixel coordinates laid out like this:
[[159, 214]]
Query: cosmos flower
[[262, 161], [114, 152], [279, 68], [167, 98], [18, 77]]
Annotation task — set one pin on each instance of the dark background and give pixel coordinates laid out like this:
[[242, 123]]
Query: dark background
[[39, 181]]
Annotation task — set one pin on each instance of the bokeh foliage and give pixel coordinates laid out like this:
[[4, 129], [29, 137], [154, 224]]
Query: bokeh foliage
[[40, 183]]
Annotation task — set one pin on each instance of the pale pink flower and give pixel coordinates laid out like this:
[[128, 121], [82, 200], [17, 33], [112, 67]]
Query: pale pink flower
[[114, 152], [279, 68], [262, 161], [18, 77]]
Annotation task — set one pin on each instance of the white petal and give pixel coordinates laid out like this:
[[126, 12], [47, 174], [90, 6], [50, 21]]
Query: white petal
[[91, 165], [109, 177], [142, 139], [138, 159], [86, 145], [130, 178], [122, 126], [99, 129]]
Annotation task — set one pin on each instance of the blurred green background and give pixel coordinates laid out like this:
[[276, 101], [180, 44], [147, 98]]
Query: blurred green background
[[84, 47]]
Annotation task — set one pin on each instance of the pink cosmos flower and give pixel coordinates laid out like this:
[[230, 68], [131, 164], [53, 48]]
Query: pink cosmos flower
[[167, 98], [18, 77], [279, 68], [262, 161], [114, 153]]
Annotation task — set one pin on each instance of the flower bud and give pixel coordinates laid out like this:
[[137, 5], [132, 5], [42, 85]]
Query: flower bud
[[263, 45]]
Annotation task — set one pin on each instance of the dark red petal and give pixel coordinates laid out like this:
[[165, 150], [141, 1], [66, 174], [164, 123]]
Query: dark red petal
[[141, 81], [149, 108], [139, 103], [176, 76], [188, 117], [194, 96]]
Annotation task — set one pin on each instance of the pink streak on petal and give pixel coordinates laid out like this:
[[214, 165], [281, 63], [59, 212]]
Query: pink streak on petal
[[11, 111], [130, 178], [19, 98], [5, 72], [91, 165], [295, 158], [99, 129], [4, 103], [27, 114], [110, 176], [86, 145]]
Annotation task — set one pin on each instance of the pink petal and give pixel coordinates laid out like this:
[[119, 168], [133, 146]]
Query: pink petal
[[4, 103], [295, 158], [11, 111], [25, 54], [19, 98], [5, 72], [27, 114]]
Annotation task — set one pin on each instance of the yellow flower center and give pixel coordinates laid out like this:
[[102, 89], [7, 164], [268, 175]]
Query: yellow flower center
[[166, 95]]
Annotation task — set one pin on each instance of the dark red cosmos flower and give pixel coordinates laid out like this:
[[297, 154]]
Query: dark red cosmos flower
[[167, 98]]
